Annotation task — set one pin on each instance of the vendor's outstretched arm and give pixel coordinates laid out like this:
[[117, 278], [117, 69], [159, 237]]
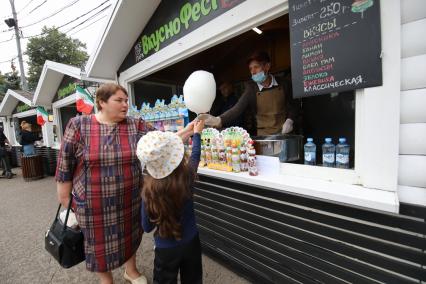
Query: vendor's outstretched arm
[[238, 109]]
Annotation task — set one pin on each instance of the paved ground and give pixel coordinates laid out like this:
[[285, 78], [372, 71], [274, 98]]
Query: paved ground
[[26, 211]]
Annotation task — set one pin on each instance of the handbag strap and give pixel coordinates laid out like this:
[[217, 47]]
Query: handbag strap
[[68, 212]]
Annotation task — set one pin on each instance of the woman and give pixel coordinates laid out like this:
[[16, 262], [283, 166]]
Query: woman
[[98, 163], [4, 159], [27, 139]]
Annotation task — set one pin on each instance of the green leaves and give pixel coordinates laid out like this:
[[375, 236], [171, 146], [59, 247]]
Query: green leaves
[[55, 46]]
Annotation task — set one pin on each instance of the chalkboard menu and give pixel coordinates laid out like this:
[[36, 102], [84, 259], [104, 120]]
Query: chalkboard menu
[[335, 45]]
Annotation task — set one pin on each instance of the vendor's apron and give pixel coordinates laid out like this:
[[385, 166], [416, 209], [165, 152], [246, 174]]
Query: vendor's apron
[[270, 115]]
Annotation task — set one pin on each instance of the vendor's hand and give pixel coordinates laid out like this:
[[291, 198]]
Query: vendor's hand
[[198, 126], [212, 121], [287, 126]]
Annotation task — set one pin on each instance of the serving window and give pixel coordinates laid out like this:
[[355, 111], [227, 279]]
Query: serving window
[[319, 117], [222, 46]]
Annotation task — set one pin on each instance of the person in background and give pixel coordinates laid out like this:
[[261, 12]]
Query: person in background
[[168, 206], [4, 159], [270, 99], [22, 124], [225, 102], [27, 139], [97, 163]]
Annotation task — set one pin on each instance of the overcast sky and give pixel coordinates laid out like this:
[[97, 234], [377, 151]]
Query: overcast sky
[[32, 12]]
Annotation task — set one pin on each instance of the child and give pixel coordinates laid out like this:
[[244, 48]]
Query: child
[[167, 204]]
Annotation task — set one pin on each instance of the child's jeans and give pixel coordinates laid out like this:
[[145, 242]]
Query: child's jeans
[[185, 259]]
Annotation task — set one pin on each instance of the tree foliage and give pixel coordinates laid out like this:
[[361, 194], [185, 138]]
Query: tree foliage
[[10, 80], [55, 46]]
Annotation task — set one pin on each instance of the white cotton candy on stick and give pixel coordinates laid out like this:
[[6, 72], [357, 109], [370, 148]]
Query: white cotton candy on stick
[[199, 91]]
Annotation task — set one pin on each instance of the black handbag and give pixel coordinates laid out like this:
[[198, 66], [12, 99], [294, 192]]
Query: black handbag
[[65, 244]]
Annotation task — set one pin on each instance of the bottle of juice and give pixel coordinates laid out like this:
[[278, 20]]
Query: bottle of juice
[[203, 156], [215, 155], [208, 152], [222, 155], [236, 165], [252, 161], [228, 156], [243, 159]]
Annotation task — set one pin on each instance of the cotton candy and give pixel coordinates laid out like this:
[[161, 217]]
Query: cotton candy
[[199, 91]]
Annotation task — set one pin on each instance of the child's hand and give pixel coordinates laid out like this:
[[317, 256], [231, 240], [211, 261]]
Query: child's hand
[[187, 131], [190, 127], [198, 126]]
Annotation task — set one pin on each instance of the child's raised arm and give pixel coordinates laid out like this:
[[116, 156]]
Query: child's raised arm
[[196, 144]]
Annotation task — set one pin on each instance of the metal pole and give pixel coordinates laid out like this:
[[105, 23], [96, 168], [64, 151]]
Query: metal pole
[[18, 45]]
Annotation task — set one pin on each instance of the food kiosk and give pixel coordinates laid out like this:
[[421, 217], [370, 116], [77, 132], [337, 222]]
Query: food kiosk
[[16, 107], [297, 223], [56, 92]]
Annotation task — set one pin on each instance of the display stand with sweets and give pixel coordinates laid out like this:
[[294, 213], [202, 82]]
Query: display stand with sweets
[[227, 150]]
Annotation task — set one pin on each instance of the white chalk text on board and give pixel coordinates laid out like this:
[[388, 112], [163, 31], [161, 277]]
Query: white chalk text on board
[[335, 45]]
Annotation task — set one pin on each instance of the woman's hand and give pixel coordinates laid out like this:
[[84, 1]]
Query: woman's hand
[[64, 192], [198, 126]]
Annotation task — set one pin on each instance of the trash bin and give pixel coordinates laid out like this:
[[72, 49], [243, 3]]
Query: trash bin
[[32, 167], [49, 160]]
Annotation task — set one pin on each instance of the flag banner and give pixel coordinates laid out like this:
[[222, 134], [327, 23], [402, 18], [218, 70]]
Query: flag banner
[[42, 116], [84, 101]]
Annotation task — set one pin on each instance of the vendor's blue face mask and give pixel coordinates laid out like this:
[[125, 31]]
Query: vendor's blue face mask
[[259, 77]]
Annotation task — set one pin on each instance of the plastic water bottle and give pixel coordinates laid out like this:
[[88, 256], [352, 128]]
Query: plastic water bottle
[[328, 153], [342, 154], [310, 152]]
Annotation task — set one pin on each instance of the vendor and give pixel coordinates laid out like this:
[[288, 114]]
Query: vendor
[[269, 99], [225, 102]]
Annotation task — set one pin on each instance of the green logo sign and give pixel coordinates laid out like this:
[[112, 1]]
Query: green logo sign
[[174, 19], [66, 91], [22, 107]]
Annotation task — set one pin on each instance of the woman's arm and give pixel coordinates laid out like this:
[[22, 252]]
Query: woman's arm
[[64, 192], [67, 161]]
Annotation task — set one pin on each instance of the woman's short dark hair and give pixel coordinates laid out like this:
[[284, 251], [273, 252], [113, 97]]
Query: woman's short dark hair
[[259, 56], [104, 92]]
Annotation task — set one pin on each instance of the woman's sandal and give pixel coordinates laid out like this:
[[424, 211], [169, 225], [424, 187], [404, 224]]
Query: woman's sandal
[[140, 280]]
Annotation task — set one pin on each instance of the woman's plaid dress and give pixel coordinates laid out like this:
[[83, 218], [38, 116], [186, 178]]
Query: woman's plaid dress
[[101, 162]]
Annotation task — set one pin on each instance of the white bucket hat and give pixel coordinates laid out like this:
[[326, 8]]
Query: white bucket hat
[[160, 152]]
